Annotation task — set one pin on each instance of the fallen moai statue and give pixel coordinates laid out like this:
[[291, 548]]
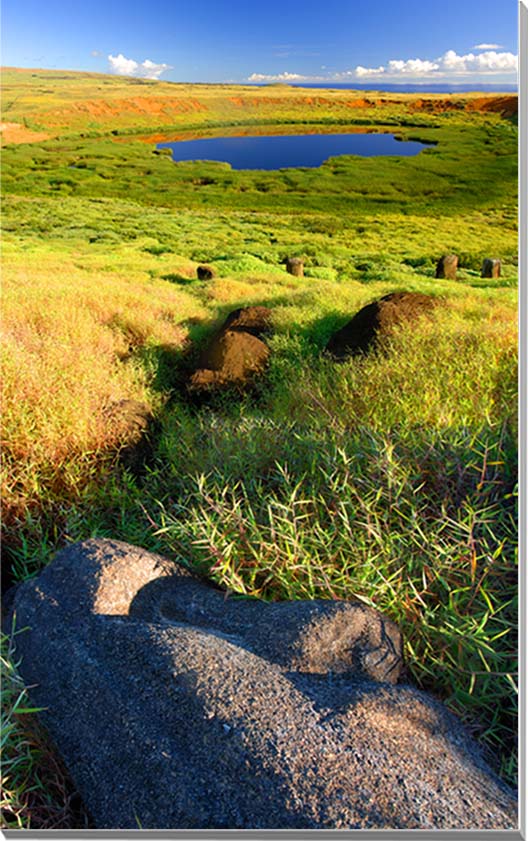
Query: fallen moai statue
[[236, 354], [177, 705], [376, 321]]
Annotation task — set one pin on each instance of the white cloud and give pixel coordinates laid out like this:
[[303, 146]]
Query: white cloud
[[366, 71], [449, 65], [411, 67], [153, 71], [122, 66], [280, 77], [487, 62], [486, 47], [129, 67]]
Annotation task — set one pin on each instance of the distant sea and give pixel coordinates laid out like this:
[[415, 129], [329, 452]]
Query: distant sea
[[424, 88]]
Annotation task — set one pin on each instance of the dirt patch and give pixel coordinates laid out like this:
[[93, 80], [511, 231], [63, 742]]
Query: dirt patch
[[17, 133], [376, 322], [236, 355], [508, 106], [359, 103]]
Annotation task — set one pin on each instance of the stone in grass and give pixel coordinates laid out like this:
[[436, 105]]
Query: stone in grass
[[376, 321], [236, 355], [233, 359], [491, 268], [177, 706], [295, 266], [255, 320], [205, 273], [447, 267]]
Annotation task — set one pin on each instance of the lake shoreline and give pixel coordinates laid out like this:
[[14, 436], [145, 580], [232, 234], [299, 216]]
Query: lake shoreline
[[294, 150]]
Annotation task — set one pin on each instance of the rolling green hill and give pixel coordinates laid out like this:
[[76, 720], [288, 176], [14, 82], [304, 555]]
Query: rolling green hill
[[390, 478]]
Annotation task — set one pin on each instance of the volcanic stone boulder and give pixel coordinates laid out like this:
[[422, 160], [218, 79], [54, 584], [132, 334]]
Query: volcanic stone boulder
[[295, 266], [175, 705], [205, 273], [447, 267], [491, 268], [254, 320], [236, 355], [376, 321]]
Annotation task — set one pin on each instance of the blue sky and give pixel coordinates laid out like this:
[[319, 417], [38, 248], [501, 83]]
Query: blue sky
[[459, 41]]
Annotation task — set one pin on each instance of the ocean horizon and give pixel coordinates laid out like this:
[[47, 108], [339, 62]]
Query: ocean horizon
[[395, 88]]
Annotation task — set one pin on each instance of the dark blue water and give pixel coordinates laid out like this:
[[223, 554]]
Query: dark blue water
[[399, 88], [293, 150]]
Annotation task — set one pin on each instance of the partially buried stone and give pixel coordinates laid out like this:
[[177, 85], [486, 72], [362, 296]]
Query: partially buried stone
[[234, 358], [235, 355], [295, 266], [447, 267], [254, 320], [177, 706], [137, 427], [205, 273], [491, 268], [376, 322]]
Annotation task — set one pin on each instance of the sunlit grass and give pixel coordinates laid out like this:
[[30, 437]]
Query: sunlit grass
[[69, 339], [389, 478], [395, 484]]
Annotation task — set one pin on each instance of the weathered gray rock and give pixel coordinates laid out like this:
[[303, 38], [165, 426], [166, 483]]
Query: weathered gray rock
[[176, 705], [491, 268], [295, 266], [447, 267]]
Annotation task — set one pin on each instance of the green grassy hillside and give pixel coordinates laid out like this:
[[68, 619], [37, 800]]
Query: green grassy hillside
[[389, 478]]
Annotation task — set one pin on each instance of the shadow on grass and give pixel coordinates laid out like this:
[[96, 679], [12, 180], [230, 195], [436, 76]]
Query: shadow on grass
[[181, 279]]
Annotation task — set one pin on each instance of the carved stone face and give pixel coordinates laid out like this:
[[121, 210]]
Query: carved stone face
[[176, 705]]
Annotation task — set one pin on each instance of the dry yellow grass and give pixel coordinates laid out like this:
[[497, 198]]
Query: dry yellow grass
[[68, 342]]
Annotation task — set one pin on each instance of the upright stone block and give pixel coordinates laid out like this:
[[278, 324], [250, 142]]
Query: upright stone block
[[491, 268], [447, 267], [295, 266]]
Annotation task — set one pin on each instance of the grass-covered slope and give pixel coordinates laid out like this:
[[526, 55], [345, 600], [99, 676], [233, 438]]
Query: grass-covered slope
[[390, 478]]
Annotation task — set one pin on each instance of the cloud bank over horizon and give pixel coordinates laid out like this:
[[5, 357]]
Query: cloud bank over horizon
[[448, 67], [129, 67]]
